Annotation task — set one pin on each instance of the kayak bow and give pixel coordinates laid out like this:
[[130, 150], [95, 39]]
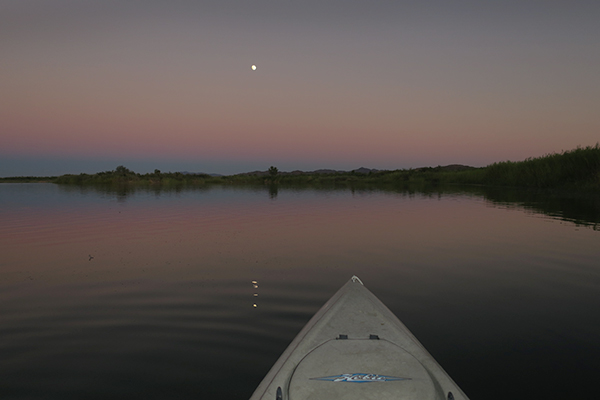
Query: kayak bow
[[354, 347]]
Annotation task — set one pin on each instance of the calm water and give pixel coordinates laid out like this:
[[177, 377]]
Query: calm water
[[149, 294]]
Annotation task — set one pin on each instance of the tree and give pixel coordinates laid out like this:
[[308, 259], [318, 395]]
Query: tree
[[121, 170], [273, 171]]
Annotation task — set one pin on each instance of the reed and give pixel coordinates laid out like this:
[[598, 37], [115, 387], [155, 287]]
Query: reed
[[578, 169]]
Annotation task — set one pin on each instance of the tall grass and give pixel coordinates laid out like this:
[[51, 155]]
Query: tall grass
[[577, 169]]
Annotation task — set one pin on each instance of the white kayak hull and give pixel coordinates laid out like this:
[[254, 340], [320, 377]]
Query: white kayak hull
[[354, 347]]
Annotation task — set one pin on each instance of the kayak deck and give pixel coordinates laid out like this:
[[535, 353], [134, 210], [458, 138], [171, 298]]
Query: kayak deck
[[354, 347]]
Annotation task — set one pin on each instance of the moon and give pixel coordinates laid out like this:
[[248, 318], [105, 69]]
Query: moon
[[253, 67]]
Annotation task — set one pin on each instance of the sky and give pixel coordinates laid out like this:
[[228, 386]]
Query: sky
[[87, 85]]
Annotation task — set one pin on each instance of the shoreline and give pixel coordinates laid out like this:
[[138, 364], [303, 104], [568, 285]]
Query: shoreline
[[577, 169]]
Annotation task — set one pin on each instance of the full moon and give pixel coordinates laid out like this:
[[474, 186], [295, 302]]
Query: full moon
[[253, 67]]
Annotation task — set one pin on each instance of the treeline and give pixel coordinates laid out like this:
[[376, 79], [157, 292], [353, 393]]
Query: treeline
[[577, 169]]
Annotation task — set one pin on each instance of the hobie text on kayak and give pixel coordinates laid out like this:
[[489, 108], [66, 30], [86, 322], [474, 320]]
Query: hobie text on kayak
[[359, 378]]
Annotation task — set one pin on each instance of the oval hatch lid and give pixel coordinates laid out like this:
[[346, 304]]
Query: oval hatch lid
[[361, 369]]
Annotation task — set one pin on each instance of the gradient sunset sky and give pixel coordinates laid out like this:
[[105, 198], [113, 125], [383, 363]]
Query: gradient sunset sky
[[87, 85]]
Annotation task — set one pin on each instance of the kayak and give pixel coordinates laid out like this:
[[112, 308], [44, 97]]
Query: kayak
[[355, 348]]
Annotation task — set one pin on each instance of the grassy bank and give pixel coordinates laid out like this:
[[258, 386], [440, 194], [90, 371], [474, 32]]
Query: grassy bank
[[124, 176], [28, 179]]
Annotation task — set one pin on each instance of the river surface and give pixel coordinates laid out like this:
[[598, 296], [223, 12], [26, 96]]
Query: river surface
[[149, 294]]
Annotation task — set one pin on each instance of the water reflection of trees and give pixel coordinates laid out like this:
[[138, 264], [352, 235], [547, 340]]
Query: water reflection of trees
[[580, 209], [273, 191]]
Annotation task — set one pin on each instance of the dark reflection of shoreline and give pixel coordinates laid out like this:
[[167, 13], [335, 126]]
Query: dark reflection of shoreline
[[583, 210], [122, 192]]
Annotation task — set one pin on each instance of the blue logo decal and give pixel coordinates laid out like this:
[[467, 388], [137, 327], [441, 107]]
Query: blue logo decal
[[359, 378]]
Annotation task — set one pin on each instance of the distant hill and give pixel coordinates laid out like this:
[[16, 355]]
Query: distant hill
[[451, 167], [457, 167]]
